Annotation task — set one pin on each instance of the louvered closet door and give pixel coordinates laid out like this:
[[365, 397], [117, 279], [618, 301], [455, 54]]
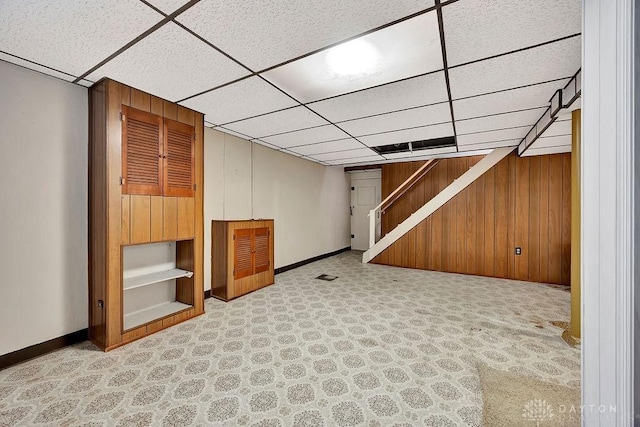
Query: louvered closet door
[[179, 177], [141, 152], [242, 253], [261, 249]]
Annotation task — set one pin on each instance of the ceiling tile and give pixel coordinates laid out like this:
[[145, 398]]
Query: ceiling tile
[[416, 134], [35, 67], [246, 98], [477, 29], [172, 64], [266, 144], [356, 160], [416, 117], [307, 136], [492, 136], [553, 61], [168, 6], [552, 141], [86, 83], [421, 153], [267, 33], [278, 122], [492, 144], [72, 35], [327, 147], [548, 150], [500, 121], [557, 128], [230, 132], [510, 100], [423, 90], [313, 78], [349, 154]]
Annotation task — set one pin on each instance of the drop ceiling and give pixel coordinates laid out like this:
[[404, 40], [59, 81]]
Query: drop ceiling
[[482, 71]]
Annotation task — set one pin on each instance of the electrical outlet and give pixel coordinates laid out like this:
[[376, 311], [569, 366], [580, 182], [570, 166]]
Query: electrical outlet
[[518, 250]]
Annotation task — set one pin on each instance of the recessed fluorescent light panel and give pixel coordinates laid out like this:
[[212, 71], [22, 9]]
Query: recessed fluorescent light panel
[[408, 147], [406, 49]]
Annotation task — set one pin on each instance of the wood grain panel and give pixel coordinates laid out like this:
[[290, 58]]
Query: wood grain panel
[[141, 100], [170, 110], [521, 218], [157, 106], [519, 202], [543, 212], [140, 219], [170, 218], [534, 219], [126, 220], [565, 268], [186, 217], [157, 213]]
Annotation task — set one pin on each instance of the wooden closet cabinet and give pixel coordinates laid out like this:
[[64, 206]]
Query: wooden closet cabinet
[[241, 257], [158, 155], [146, 172]]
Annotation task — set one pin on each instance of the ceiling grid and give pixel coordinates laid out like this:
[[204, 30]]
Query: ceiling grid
[[485, 86]]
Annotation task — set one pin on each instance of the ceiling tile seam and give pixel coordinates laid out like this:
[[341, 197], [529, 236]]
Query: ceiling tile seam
[[554, 136], [261, 114], [446, 70], [244, 134], [211, 45], [546, 148], [400, 110], [309, 109], [510, 89], [325, 152], [504, 113], [239, 79], [139, 38], [491, 142], [437, 6], [38, 64], [146, 3], [41, 72], [319, 142], [373, 87], [497, 129], [295, 130], [402, 129], [517, 50]]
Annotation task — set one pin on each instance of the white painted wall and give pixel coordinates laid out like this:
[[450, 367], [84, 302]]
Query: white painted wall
[[309, 202], [43, 212]]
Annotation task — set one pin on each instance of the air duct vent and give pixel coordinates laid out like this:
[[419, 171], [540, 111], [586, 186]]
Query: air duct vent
[[425, 144]]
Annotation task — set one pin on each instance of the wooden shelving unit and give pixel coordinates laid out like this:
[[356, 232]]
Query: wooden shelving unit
[[146, 173]]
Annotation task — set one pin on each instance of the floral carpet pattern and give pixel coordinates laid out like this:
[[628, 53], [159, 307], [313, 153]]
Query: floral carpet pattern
[[378, 346]]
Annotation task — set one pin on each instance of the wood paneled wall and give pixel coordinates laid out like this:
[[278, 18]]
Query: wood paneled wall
[[520, 202]]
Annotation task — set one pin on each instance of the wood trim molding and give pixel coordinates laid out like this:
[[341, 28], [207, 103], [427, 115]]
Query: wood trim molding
[[607, 268], [43, 348], [310, 260]]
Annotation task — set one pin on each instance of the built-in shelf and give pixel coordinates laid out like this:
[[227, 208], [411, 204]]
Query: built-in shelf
[[157, 277], [150, 314]]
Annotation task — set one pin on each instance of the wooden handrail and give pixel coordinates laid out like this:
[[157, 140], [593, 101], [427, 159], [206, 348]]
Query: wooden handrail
[[406, 185]]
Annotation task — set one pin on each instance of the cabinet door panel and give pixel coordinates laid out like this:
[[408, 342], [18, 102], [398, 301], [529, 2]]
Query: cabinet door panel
[[186, 217], [242, 253], [261, 249], [140, 219], [141, 152], [179, 153]]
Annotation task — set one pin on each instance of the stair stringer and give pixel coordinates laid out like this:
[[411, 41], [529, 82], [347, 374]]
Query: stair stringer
[[466, 179]]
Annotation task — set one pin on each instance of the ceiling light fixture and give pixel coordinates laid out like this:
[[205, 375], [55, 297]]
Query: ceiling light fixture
[[353, 57]]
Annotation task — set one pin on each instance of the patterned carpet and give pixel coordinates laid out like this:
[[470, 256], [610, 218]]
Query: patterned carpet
[[378, 346]]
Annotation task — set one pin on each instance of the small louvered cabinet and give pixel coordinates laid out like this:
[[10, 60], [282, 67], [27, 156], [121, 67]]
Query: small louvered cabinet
[[241, 257]]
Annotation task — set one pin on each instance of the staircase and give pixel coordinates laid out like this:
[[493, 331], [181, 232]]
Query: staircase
[[375, 248]]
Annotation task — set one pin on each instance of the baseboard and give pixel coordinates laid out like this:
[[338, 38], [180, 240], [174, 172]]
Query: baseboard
[[36, 350], [207, 294], [310, 260]]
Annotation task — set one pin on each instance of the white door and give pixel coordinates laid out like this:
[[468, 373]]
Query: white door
[[366, 191]]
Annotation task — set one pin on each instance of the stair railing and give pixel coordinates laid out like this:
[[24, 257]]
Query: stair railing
[[395, 195]]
